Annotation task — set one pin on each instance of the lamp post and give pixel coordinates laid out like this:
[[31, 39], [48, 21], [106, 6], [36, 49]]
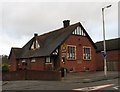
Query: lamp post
[[104, 44]]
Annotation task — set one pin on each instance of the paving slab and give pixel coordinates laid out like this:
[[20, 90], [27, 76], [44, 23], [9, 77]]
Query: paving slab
[[86, 77]]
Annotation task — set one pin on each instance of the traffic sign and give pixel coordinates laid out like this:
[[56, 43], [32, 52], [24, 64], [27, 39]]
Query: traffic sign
[[104, 55]]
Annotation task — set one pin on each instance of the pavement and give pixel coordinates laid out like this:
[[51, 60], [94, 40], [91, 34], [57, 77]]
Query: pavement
[[86, 77]]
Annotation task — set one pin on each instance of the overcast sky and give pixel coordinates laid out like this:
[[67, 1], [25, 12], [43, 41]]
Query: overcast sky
[[20, 20]]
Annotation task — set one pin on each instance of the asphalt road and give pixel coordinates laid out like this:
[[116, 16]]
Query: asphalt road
[[111, 84]]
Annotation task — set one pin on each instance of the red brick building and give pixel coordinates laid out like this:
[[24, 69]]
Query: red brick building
[[113, 54], [70, 47]]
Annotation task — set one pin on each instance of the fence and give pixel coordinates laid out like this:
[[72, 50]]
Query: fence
[[31, 75]]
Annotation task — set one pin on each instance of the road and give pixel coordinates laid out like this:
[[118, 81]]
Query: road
[[111, 84]]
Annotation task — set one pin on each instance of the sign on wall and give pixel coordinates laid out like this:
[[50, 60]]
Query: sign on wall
[[64, 50]]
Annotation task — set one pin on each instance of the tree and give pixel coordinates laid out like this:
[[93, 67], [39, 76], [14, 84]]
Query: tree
[[4, 59], [4, 63]]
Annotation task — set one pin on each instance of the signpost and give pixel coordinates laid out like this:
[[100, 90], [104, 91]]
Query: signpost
[[64, 50], [104, 55]]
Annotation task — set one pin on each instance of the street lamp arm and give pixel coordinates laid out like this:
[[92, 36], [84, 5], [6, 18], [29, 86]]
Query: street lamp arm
[[106, 7]]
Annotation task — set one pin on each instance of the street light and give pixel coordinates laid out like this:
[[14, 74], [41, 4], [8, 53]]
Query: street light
[[104, 44]]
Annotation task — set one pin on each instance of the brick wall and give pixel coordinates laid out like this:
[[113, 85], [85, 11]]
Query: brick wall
[[37, 65], [31, 75], [43, 75], [79, 64], [12, 62], [100, 62], [13, 75], [112, 60]]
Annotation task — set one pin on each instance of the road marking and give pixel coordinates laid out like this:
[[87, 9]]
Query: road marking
[[116, 87], [4, 83], [93, 88]]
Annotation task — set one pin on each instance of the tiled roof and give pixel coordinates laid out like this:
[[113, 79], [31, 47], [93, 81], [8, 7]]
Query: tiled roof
[[16, 51], [49, 42], [112, 44]]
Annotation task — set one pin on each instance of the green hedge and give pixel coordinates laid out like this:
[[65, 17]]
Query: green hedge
[[5, 68]]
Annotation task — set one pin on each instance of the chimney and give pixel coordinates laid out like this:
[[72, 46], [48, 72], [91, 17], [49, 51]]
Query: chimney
[[66, 23], [35, 34]]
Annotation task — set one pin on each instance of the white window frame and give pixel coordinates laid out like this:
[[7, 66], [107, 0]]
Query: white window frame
[[33, 60], [84, 53], [48, 60], [23, 61], [71, 54]]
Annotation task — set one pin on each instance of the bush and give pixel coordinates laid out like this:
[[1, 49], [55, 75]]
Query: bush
[[5, 68]]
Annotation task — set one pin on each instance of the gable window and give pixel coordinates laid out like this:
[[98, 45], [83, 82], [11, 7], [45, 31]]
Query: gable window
[[35, 45], [71, 53], [86, 53], [47, 60], [79, 31], [32, 47]]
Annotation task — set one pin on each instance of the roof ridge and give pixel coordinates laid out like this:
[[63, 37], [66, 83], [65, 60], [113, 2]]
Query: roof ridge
[[16, 48], [108, 40], [57, 29]]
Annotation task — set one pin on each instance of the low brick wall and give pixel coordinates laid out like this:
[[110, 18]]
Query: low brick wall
[[15, 75], [43, 75], [31, 75]]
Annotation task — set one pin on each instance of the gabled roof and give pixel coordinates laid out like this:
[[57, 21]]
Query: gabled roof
[[50, 41], [111, 44], [16, 51]]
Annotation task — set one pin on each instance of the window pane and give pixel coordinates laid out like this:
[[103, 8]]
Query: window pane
[[86, 53], [71, 52], [48, 60], [33, 60]]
